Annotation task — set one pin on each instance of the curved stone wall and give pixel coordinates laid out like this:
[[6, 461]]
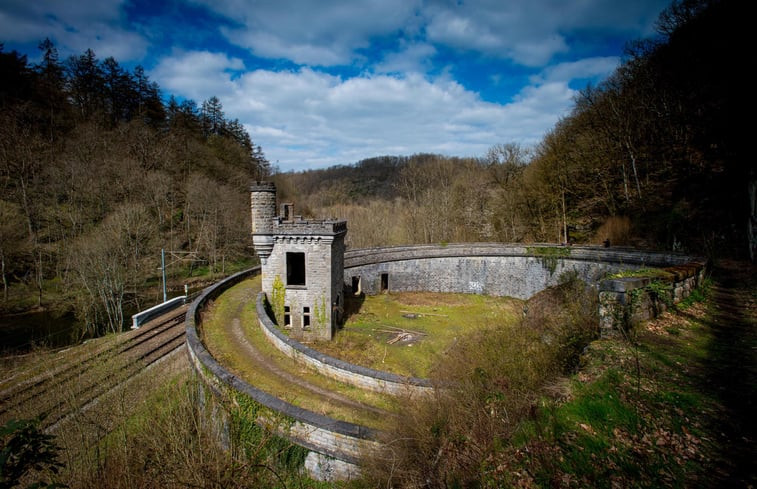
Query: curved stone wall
[[359, 376], [489, 268], [493, 269], [336, 445]]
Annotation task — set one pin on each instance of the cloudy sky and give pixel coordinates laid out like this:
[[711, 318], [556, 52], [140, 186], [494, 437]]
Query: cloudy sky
[[319, 83]]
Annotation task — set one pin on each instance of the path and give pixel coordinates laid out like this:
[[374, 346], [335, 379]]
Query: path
[[732, 371], [266, 363]]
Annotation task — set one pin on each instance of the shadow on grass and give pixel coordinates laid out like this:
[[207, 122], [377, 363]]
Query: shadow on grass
[[731, 373]]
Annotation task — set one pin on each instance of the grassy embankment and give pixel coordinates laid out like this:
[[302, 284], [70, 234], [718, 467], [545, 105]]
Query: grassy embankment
[[437, 321], [666, 406], [669, 404]]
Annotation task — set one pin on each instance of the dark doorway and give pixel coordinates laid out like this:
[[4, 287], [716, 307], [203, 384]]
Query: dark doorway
[[384, 282], [356, 289]]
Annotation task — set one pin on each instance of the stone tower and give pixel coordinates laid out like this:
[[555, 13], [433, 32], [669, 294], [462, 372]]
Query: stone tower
[[304, 260], [263, 207]]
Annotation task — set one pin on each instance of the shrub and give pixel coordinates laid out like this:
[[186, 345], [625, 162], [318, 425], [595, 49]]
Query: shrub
[[486, 386], [616, 229]]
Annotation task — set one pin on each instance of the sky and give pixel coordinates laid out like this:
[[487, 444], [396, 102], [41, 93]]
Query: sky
[[322, 83]]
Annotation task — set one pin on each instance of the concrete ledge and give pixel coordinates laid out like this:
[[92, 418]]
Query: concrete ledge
[[359, 376], [624, 302], [140, 318], [627, 256]]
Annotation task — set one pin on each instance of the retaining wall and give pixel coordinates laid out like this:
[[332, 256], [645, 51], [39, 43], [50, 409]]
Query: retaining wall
[[490, 268], [624, 302], [359, 376], [494, 269], [337, 445]]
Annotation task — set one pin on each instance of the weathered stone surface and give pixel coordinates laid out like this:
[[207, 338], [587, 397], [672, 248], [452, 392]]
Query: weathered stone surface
[[357, 375], [315, 306]]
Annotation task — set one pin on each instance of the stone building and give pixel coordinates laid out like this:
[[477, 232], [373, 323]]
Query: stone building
[[302, 265]]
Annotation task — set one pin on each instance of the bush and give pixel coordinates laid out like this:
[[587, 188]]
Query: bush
[[486, 386]]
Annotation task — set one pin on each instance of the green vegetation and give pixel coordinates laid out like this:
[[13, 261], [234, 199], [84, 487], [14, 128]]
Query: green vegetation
[[169, 442], [25, 449], [660, 273], [278, 299], [496, 377], [245, 351], [409, 333], [98, 174], [662, 407], [549, 255]]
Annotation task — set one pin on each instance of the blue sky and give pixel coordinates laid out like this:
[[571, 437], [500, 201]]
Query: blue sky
[[320, 83]]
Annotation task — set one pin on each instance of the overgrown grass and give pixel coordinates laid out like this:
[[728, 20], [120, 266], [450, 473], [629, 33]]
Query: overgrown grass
[[633, 412], [659, 273], [278, 371], [173, 442], [489, 383], [435, 322]]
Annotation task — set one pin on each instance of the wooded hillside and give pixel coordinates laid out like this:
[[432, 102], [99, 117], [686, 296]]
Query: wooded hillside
[[97, 175]]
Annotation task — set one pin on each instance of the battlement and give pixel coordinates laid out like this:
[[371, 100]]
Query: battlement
[[299, 226], [263, 187]]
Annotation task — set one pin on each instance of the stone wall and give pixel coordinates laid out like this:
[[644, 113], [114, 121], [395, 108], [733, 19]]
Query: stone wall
[[490, 268], [317, 294], [362, 377], [626, 301], [337, 445]]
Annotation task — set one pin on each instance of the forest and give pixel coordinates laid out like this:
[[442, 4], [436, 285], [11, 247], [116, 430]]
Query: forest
[[99, 171]]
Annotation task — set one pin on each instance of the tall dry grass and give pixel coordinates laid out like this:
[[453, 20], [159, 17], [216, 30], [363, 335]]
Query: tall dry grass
[[616, 229], [486, 386]]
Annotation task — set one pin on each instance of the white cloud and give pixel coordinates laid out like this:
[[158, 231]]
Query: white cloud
[[331, 33], [314, 33], [74, 26], [596, 67], [411, 58], [532, 33], [309, 119], [198, 74]]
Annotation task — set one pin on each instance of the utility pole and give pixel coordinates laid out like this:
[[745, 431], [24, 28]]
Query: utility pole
[[163, 266]]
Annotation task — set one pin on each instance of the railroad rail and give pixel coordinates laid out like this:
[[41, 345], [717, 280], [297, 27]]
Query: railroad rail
[[78, 381]]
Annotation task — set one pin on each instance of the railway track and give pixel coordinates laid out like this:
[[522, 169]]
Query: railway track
[[79, 381]]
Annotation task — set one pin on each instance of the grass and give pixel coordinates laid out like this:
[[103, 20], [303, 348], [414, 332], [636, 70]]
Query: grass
[[441, 320], [659, 273], [168, 443], [657, 425], [237, 303], [669, 405]]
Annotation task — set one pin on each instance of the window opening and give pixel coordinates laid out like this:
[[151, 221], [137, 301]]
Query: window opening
[[305, 317], [295, 268], [287, 211], [287, 317]]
